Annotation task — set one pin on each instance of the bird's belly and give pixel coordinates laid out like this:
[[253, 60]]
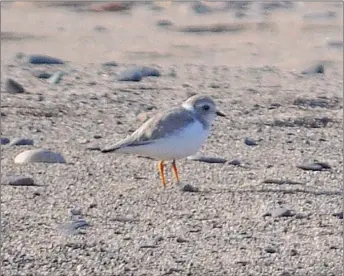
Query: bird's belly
[[178, 145]]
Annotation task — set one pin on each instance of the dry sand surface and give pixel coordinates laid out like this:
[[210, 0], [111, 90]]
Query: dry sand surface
[[107, 214]]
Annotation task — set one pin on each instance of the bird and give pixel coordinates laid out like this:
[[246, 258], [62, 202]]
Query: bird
[[172, 134]]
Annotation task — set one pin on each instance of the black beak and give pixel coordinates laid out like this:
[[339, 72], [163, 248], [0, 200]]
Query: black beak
[[219, 113]]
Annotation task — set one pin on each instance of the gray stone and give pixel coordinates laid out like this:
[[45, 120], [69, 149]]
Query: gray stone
[[282, 212], [4, 140], [39, 155], [250, 142], [314, 69], [21, 142], [13, 86], [189, 188], [206, 159], [18, 181]]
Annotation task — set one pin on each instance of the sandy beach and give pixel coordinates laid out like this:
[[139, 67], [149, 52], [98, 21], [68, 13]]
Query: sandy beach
[[273, 208]]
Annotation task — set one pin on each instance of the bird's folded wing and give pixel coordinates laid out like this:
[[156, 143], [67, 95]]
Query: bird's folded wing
[[156, 128]]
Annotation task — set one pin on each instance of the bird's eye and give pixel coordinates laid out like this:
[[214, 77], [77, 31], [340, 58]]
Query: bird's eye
[[206, 107]]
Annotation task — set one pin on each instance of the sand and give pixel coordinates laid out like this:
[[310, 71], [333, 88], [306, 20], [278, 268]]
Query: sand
[[131, 224]]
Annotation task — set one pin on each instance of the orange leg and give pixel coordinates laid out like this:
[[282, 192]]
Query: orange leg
[[175, 170], [161, 167]]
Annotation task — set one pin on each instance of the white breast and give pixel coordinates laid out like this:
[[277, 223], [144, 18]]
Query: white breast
[[179, 145]]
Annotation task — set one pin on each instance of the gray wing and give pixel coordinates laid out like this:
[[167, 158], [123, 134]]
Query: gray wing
[[155, 128]]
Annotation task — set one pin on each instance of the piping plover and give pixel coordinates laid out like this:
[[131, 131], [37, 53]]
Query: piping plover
[[171, 135]]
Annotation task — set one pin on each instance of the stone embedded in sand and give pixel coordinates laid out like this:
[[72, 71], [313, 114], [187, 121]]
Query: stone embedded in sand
[[314, 69], [21, 142], [4, 140], [39, 155], [15, 180], [250, 142], [13, 87], [42, 59], [137, 73], [207, 159]]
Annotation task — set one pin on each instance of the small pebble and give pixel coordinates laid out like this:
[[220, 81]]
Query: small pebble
[[235, 162], [316, 166], [41, 74], [189, 188], [130, 75], [338, 44], [39, 155], [206, 159], [320, 15], [314, 69], [18, 181], [56, 77], [164, 23], [250, 142], [149, 71], [270, 249], [282, 212], [21, 142], [97, 136], [71, 227], [4, 140], [42, 59], [13, 86], [338, 215], [110, 64], [100, 28], [181, 240]]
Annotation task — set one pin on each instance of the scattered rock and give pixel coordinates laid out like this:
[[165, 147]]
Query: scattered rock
[[201, 8], [294, 252], [149, 71], [143, 116], [275, 5], [111, 7], [137, 73], [250, 142], [41, 74], [110, 64], [13, 86], [282, 212], [307, 122], [181, 240], [75, 212], [71, 228], [130, 75], [94, 148], [38, 155], [21, 142], [148, 246], [322, 102], [164, 23], [270, 249], [282, 182], [207, 159], [338, 215], [235, 162], [100, 28], [320, 15], [4, 140], [316, 166], [215, 28], [97, 136], [18, 181], [314, 69], [42, 59], [338, 44], [190, 189], [56, 77]]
